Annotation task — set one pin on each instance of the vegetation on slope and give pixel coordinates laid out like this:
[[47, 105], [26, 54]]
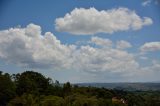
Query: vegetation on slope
[[33, 89]]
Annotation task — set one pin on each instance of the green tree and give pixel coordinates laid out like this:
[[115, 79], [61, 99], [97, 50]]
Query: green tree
[[7, 88], [31, 82], [67, 88], [52, 101], [24, 100]]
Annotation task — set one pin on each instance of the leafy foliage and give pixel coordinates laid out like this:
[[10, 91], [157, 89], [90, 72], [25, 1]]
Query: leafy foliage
[[7, 88], [33, 89]]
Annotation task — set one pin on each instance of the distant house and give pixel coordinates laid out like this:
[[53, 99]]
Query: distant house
[[123, 101], [119, 100]]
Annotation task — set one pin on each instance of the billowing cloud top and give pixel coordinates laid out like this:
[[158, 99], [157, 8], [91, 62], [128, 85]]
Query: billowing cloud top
[[90, 21], [150, 46], [27, 47]]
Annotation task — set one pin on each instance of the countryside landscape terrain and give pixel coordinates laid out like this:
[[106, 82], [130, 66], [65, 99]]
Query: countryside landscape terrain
[[79, 52], [33, 89]]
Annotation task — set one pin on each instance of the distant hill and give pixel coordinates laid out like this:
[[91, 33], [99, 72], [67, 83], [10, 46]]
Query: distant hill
[[125, 86]]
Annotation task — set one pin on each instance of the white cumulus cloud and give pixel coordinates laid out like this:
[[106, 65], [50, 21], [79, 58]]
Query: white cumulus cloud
[[150, 46], [101, 42], [105, 60], [90, 21], [27, 47], [123, 44]]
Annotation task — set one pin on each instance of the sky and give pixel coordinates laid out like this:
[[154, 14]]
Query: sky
[[82, 40]]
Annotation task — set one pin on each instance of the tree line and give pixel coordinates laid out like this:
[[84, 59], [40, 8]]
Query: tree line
[[34, 89]]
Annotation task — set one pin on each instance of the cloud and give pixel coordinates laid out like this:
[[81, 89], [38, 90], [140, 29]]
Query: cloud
[[123, 44], [27, 47], [143, 57], [150, 46], [146, 2], [109, 60], [90, 21], [101, 42]]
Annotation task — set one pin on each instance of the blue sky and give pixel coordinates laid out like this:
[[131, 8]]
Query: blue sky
[[139, 45]]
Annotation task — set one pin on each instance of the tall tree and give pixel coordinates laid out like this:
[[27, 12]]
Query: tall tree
[[7, 88], [31, 82]]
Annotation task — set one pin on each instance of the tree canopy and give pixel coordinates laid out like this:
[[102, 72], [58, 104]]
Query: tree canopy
[[33, 89]]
